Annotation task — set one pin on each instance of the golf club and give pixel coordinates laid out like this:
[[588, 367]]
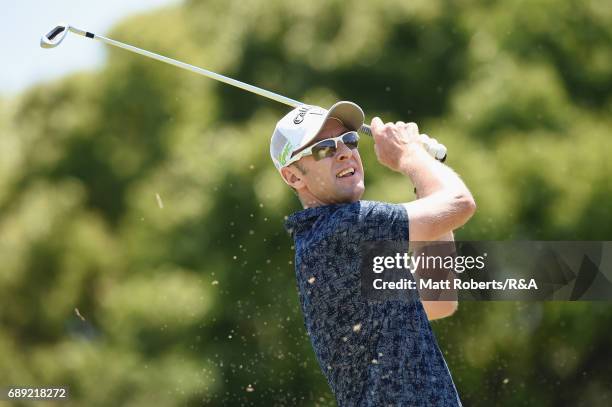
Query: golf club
[[54, 37]]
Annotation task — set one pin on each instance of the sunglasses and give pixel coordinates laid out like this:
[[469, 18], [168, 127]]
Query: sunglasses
[[328, 147]]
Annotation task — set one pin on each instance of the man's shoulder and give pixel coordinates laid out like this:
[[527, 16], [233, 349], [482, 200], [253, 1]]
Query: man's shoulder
[[351, 215], [380, 206], [321, 217], [335, 211]]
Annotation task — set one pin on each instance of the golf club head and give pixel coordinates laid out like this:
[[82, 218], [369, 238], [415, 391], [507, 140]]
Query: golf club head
[[53, 38]]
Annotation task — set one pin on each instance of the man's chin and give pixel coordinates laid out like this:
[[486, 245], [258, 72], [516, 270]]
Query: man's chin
[[352, 195]]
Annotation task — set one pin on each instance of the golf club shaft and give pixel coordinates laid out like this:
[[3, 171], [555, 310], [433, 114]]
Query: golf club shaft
[[365, 129], [213, 75], [201, 71]]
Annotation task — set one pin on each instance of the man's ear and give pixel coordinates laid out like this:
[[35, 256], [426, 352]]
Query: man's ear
[[293, 177]]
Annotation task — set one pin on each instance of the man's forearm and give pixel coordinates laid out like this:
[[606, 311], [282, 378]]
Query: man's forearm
[[443, 302], [430, 176], [445, 247]]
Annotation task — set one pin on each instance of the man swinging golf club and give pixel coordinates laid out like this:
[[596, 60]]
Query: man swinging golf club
[[373, 353]]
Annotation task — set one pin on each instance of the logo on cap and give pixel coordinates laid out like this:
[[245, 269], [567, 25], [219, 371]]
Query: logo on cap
[[300, 116], [284, 155]]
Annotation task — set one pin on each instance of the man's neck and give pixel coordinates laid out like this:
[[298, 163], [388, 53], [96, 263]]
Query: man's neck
[[312, 203], [308, 200]]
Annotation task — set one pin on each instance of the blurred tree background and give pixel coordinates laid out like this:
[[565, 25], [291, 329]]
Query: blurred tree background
[[144, 196]]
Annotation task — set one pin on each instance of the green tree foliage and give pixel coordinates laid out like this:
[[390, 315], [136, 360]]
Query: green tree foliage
[[144, 197]]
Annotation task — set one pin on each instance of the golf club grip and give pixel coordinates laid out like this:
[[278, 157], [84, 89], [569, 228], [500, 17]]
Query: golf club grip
[[365, 129]]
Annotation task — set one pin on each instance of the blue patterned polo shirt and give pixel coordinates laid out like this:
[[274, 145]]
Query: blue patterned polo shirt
[[373, 353]]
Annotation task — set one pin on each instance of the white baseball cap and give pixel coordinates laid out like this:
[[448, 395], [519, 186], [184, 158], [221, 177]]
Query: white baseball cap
[[301, 125]]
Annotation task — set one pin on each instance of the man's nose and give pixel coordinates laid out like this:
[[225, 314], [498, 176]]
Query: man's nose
[[343, 153]]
